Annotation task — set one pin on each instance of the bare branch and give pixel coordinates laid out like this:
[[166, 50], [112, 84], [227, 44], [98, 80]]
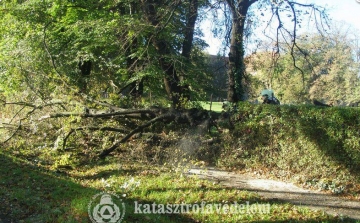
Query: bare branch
[[99, 115], [292, 44], [136, 130], [93, 128], [252, 2], [13, 134]]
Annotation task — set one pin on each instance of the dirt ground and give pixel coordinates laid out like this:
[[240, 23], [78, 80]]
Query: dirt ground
[[282, 192]]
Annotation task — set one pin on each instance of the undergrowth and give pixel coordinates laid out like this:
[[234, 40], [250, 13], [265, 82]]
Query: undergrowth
[[314, 146]]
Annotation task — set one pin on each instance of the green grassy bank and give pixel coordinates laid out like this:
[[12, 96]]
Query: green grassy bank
[[315, 146]]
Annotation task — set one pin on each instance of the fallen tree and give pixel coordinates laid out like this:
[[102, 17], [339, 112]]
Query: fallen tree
[[129, 122]]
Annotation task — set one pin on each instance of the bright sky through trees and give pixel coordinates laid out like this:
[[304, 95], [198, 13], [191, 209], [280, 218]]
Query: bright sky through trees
[[346, 11]]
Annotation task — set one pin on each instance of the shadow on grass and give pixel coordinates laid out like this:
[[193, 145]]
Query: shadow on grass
[[332, 134], [31, 194], [328, 128]]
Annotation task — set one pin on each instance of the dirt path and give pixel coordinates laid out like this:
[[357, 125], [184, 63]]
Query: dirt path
[[283, 192]]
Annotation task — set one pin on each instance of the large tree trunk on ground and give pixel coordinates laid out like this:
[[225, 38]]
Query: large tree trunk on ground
[[192, 117], [126, 123]]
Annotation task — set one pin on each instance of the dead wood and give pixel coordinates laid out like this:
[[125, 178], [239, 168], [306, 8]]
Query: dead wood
[[132, 121], [138, 129], [193, 117], [318, 103]]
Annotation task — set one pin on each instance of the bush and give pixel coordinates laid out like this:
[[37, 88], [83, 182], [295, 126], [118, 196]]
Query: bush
[[302, 143]]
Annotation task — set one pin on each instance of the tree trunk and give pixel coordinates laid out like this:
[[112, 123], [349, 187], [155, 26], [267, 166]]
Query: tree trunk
[[190, 28], [188, 43], [236, 72], [171, 79], [85, 67]]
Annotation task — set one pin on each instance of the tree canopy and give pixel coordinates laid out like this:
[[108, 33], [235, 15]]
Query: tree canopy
[[329, 72], [114, 61]]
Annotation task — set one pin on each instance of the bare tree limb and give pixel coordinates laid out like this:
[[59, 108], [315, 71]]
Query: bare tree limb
[[292, 44], [105, 114], [13, 134], [93, 128], [136, 130]]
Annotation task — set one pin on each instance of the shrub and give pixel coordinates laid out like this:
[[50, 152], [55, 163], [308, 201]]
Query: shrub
[[301, 143]]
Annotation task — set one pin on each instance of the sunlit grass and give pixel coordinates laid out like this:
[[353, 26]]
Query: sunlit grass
[[215, 106], [35, 194]]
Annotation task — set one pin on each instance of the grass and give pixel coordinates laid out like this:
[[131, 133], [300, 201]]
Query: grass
[[308, 145], [34, 193], [215, 106]]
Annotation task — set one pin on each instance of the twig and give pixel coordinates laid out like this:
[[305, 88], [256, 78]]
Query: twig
[[136, 130], [91, 128], [12, 135]]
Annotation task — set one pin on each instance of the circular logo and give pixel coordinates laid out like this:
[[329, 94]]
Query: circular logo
[[105, 207]]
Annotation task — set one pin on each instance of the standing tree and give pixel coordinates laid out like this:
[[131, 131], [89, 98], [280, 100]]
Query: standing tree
[[330, 70], [173, 80], [57, 58], [287, 14]]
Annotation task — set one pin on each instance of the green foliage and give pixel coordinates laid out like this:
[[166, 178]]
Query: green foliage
[[298, 142], [326, 70], [43, 42]]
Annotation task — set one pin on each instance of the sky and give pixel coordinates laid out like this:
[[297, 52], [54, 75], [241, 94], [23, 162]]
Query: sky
[[347, 11]]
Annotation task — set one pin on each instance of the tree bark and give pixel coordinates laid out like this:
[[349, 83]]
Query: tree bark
[[172, 79], [236, 72], [85, 67], [190, 28], [188, 43]]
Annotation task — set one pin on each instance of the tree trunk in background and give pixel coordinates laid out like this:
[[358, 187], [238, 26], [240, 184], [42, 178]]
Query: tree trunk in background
[[171, 79], [236, 72], [190, 28], [85, 67], [188, 43]]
